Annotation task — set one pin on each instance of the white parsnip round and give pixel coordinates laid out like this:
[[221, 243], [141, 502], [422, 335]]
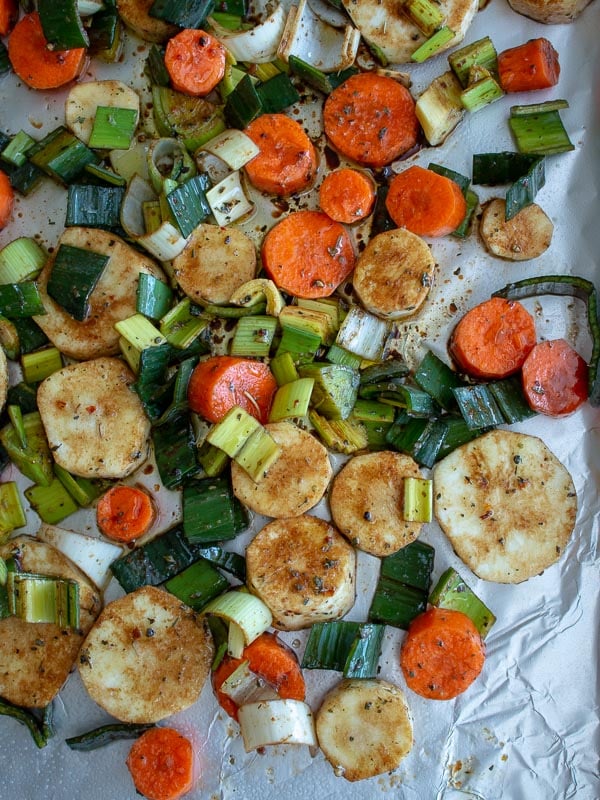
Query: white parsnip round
[[527, 235]]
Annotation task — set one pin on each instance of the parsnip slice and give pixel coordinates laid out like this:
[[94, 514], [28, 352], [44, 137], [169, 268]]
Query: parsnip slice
[[527, 235]]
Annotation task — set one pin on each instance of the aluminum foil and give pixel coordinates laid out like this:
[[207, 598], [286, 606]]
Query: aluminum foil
[[528, 727]]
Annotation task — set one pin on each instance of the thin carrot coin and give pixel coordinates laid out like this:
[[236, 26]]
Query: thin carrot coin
[[555, 378], [125, 513], [34, 63], [308, 254], [493, 339], [425, 203], [9, 11], [347, 195], [221, 382], [442, 654], [270, 659], [195, 61], [528, 67], [287, 162], [371, 119], [161, 763], [7, 199]]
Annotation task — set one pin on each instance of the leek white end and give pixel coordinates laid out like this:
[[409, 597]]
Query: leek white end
[[272, 722]]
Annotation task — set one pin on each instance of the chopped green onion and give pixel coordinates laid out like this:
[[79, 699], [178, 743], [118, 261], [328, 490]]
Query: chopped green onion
[[283, 368], [189, 204], [438, 380], [140, 332], [258, 454], [212, 459], [481, 91], [412, 565], [335, 388], [396, 604], [233, 430], [181, 327], [493, 169], [341, 435], [276, 94], [420, 438], [337, 355], [508, 394], [243, 104], [302, 344], [62, 24], [349, 647], [175, 450], [324, 82]]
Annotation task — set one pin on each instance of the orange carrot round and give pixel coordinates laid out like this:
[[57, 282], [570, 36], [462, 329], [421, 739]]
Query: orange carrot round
[[442, 654], [195, 61], [308, 254], [493, 339], [371, 119], [34, 63], [555, 378], [7, 199], [9, 11], [530, 66], [161, 763], [347, 195], [287, 161], [270, 659], [221, 382], [425, 203], [125, 513]]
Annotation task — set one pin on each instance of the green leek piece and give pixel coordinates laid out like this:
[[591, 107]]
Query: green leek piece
[[234, 312], [452, 592], [426, 15], [12, 514], [75, 274], [396, 604], [457, 434], [152, 385], [523, 191], [94, 206], [464, 228], [181, 326], [508, 394], [276, 94], [481, 53], [324, 82], [363, 334], [482, 90], [156, 561], [211, 512], [52, 503], [175, 450], [353, 648], [302, 344], [416, 402], [243, 104], [233, 563], [42, 598], [3, 572], [312, 320], [381, 220], [169, 164], [283, 368], [233, 430], [197, 585], [373, 411], [113, 128], [194, 120], [494, 169], [337, 355], [9, 338], [106, 734], [62, 25], [340, 435], [5, 65], [365, 650], [230, 22], [82, 490], [391, 369], [258, 453], [155, 67], [23, 396], [433, 45], [335, 388], [20, 300], [212, 459], [460, 180], [418, 499], [538, 129], [438, 380], [253, 336], [34, 460], [21, 260], [411, 566], [269, 69], [419, 438], [153, 296], [478, 406], [40, 364], [152, 214], [106, 35], [16, 150], [220, 634], [292, 400], [188, 203], [183, 13], [39, 734], [61, 155], [16, 417], [140, 332]]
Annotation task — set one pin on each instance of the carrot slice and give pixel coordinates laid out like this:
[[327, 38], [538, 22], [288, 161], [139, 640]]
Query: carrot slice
[[371, 119], [195, 61], [221, 382], [161, 763], [555, 378], [9, 10], [425, 203], [287, 161], [493, 339], [442, 654], [308, 254], [125, 513], [270, 659], [36, 65], [7, 199], [530, 66], [347, 195]]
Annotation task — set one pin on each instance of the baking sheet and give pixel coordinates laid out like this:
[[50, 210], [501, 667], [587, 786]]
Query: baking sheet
[[528, 728]]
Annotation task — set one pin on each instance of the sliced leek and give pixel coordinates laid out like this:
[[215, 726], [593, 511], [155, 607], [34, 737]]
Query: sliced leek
[[272, 722], [228, 201], [259, 44], [245, 610], [255, 291], [233, 147]]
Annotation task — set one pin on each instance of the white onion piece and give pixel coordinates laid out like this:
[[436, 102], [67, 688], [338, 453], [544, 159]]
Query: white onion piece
[[276, 722], [227, 200], [259, 44], [92, 556], [316, 42], [233, 147]]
